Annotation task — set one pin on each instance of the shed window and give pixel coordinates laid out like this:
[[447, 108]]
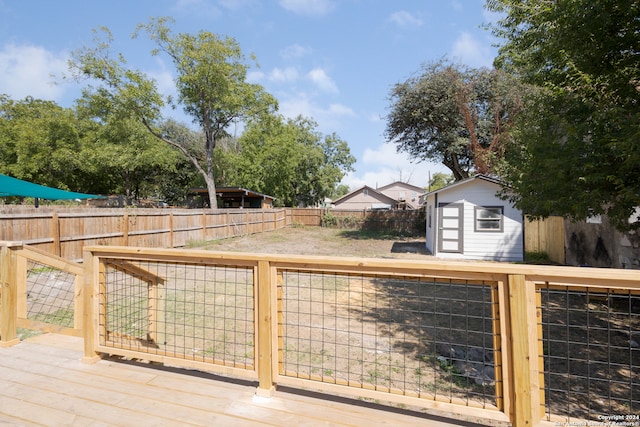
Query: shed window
[[489, 218]]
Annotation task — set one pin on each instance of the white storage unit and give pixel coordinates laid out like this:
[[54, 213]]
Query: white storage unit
[[467, 220]]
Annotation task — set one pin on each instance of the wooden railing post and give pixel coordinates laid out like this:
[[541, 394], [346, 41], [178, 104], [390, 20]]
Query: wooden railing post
[[9, 293], [523, 317], [264, 330], [89, 319]]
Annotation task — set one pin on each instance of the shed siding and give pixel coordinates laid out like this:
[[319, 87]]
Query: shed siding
[[500, 246]]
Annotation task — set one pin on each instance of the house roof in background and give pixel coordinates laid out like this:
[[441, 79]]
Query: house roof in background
[[402, 184], [375, 193], [16, 187]]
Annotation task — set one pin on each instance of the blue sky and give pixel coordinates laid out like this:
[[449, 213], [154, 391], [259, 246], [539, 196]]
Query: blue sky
[[332, 60]]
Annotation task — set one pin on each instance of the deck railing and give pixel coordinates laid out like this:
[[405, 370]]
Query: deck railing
[[529, 345]]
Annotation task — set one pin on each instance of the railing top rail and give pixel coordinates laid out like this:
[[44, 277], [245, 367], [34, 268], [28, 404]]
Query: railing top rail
[[598, 277], [11, 243], [45, 257]]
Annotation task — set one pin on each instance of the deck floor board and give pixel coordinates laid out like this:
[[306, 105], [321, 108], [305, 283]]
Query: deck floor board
[[44, 383]]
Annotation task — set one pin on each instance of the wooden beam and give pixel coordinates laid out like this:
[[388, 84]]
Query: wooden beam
[[525, 393], [89, 312], [264, 326], [8, 295]]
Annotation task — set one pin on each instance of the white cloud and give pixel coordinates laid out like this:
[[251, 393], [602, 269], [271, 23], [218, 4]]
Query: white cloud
[[163, 77], [295, 51], [308, 7], [405, 19], [339, 110], [329, 119], [284, 75], [29, 70], [322, 80], [472, 52]]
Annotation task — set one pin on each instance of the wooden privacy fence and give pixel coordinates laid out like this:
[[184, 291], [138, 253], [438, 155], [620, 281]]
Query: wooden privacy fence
[[531, 345], [546, 235], [65, 233], [411, 222]]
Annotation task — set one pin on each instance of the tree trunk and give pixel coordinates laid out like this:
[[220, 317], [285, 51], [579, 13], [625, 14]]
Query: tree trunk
[[211, 188], [209, 179]]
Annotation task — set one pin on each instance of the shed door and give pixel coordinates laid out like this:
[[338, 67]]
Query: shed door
[[450, 227]]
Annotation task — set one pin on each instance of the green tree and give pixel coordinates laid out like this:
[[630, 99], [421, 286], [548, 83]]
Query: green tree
[[455, 115], [210, 80], [132, 159], [579, 151], [440, 180], [339, 191], [42, 142], [290, 160]]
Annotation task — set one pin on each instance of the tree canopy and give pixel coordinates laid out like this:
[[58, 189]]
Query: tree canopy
[[290, 160], [40, 141], [579, 151], [455, 115], [210, 80]]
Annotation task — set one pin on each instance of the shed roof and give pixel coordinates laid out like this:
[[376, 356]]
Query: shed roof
[[16, 187], [465, 181]]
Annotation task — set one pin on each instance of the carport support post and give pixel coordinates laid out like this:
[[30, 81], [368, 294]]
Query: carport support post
[[8, 293], [264, 326]]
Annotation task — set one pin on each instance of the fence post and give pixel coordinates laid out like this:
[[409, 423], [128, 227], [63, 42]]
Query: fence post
[[264, 333], [171, 227], [125, 229], [9, 293], [525, 408], [204, 226], [55, 227]]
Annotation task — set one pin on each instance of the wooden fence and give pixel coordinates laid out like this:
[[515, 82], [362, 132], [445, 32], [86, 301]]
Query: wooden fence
[[529, 345], [65, 231], [408, 222], [546, 235]]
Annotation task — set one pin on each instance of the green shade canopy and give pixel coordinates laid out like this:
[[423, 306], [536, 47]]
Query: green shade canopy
[[16, 187]]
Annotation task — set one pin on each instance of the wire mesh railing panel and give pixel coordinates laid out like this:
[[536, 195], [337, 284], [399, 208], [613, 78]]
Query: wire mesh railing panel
[[50, 294], [409, 336], [591, 353], [195, 312]]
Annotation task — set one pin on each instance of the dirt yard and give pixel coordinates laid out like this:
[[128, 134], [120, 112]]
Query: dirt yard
[[325, 241]]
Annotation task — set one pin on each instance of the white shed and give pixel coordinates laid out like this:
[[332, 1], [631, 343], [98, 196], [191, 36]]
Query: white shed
[[467, 220]]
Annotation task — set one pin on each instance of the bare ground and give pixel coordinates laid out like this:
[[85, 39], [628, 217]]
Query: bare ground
[[325, 241]]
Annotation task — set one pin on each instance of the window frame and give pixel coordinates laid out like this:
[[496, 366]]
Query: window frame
[[477, 220]]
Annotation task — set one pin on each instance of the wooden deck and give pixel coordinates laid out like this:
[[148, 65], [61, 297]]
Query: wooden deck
[[43, 382]]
